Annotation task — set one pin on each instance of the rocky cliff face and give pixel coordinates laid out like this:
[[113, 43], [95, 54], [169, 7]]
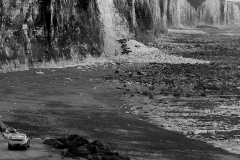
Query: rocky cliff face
[[144, 17], [181, 12], [210, 12], [35, 31], [56, 31], [195, 12], [40, 31], [233, 13]]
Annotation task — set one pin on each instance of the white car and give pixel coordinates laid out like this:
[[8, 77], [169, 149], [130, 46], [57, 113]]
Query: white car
[[18, 140]]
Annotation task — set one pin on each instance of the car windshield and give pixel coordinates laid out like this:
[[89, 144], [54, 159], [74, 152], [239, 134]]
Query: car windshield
[[17, 139]]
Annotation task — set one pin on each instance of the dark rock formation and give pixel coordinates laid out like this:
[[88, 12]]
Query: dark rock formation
[[76, 146]]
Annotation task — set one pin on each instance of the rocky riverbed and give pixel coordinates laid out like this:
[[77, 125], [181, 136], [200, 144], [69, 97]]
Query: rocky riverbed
[[200, 101]]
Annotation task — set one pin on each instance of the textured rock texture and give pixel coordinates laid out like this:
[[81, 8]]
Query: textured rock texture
[[36, 32], [145, 18], [195, 12]]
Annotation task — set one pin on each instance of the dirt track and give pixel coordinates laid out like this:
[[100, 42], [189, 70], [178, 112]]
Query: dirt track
[[36, 151]]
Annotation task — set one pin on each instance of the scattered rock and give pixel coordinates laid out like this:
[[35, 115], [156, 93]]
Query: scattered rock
[[80, 151], [60, 144], [76, 146], [48, 141]]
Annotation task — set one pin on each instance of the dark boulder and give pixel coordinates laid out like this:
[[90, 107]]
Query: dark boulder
[[93, 149], [59, 145], [78, 142], [114, 157], [81, 151], [62, 140], [49, 141], [98, 144], [95, 157], [76, 146]]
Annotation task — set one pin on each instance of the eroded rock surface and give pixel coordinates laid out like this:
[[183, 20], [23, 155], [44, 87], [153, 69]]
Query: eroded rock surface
[[61, 32]]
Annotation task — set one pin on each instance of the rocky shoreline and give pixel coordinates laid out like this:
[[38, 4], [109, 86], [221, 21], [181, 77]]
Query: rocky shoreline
[[200, 101]]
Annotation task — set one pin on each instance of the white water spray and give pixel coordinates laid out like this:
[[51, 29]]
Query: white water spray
[[115, 26]]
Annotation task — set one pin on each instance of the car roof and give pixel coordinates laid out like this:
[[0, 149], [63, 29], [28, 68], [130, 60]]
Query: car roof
[[18, 135]]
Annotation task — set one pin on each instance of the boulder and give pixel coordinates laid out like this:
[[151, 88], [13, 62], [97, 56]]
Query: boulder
[[93, 149], [64, 153], [98, 144], [95, 157], [59, 145], [49, 141], [76, 146], [81, 151], [114, 157], [78, 142], [62, 140]]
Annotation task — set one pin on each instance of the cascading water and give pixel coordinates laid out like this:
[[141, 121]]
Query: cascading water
[[115, 26]]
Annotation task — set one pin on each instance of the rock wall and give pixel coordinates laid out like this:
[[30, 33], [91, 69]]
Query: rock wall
[[210, 12], [56, 31], [233, 14], [195, 12], [144, 17], [53, 31], [181, 12]]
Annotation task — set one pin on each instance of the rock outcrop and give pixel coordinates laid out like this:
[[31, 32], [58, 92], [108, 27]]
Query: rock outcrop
[[77, 147]]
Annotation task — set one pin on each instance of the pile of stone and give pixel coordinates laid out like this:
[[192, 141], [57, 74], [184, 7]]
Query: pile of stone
[[125, 49], [77, 147], [136, 52]]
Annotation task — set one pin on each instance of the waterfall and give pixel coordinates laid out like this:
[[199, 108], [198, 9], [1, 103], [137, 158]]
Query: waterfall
[[115, 26]]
